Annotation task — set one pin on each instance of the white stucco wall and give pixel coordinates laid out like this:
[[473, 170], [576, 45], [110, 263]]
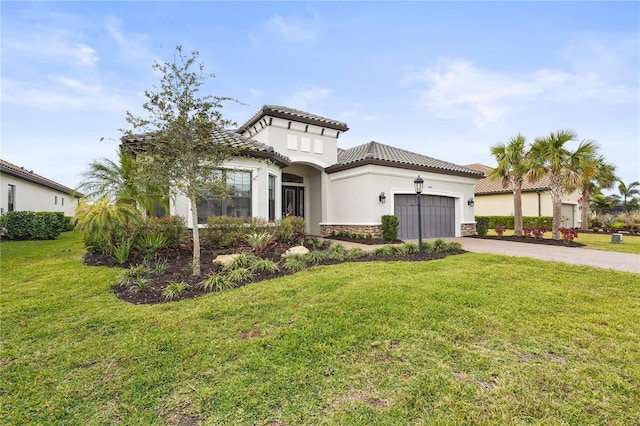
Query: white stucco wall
[[33, 197], [502, 204], [353, 195], [310, 146], [260, 171]]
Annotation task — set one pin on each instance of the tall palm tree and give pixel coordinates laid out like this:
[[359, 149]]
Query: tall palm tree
[[628, 193], [120, 182], [511, 168], [549, 156], [595, 172]]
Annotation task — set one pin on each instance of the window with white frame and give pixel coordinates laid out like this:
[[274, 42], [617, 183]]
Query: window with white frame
[[237, 205]]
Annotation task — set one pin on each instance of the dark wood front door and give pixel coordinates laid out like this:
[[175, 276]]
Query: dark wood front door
[[292, 201]]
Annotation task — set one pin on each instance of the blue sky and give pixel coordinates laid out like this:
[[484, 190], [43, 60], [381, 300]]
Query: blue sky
[[444, 79]]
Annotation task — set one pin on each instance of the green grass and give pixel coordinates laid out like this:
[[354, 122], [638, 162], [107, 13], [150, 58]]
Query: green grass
[[631, 244], [471, 339]]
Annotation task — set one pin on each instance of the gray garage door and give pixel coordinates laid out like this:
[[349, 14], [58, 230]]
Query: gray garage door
[[438, 216]]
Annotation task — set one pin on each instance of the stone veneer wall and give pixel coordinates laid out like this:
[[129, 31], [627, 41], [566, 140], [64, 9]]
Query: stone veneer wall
[[374, 230], [467, 229]]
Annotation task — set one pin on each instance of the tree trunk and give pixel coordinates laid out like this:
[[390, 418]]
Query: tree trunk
[[556, 200], [585, 210], [517, 208], [195, 271]]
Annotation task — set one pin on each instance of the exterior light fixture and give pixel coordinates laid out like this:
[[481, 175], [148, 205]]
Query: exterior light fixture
[[382, 198], [471, 202], [417, 185]]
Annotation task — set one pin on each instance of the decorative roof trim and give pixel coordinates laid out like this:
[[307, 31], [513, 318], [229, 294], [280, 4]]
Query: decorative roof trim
[[293, 115], [29, 176]]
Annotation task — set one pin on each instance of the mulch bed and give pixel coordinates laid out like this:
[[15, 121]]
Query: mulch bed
[[178, 270], [528, 240]]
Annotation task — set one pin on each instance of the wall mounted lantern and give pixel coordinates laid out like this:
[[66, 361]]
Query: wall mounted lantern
[[471, 202], [382, 198]]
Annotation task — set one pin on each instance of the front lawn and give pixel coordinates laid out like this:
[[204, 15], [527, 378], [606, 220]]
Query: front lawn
[[472, 338]]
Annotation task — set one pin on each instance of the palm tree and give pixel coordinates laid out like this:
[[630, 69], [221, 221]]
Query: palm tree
[[511, 159], [595, 173], [628, 192], [549, 156], [120, 182], [601, 204]]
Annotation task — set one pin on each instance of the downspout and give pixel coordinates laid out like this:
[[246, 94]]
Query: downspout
[[539, 208]]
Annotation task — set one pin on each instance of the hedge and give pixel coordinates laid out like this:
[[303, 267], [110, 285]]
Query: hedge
[[534, 221], [28, 225]]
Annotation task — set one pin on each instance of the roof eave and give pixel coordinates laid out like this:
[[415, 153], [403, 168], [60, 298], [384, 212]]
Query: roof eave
[[340, 167], [278, 114]]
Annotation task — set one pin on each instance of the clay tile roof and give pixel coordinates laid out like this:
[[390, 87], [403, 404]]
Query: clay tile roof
[[488, 186], [295, 115], [245, 144], [30, 176], [377, 153]]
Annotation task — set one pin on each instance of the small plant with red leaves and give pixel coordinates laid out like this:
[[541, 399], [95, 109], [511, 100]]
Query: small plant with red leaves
[[538, 233], [500, 230], [527, 231], [568, 234]]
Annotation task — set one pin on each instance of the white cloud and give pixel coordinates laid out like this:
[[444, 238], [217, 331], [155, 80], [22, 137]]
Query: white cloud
[[456, 88], [307, 97], [62, 92], [297, 30], [52, 45]]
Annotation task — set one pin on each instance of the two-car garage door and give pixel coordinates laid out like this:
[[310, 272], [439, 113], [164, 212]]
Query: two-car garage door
[[438, 216]]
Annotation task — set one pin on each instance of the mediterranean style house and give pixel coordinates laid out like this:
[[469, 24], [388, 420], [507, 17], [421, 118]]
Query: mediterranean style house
[[24, 190], [292, 165], [492, 199]]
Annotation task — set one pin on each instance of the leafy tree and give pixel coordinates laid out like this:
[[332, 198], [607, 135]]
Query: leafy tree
[[120, 182], [184, 140], [549, 156], [628, 193], [511, 169], [595, 173]]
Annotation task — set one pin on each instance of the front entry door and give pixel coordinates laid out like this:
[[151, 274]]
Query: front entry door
[[292, 201]]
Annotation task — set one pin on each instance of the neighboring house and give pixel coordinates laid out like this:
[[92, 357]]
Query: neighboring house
[[492, 199], [23, 190], [292, 166]]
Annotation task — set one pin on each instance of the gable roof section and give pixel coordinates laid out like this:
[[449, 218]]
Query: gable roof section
[[487, 186], [385, 155], [246, 145], [294, 115], [24, 174]]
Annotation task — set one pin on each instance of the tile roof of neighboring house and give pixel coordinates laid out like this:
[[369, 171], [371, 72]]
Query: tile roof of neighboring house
[[246, 145], [30, 176], [385, 155], [294, 114], [488, 186]]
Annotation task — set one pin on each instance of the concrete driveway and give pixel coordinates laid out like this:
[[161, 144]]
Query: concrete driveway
[[574, 255]]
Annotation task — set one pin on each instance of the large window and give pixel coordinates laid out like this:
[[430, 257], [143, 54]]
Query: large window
[[239, 204], [11, 197], [272, 198]]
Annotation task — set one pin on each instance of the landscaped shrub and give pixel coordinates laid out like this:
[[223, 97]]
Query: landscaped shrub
[[534, 221], [172, 228], [568, 234], [217, 282], [538, 232], [259, 241], [390, 224], [224, 231], [482, 225], [28, 225], [291, 230], [500, 230], [105, 225], [174, 290]]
